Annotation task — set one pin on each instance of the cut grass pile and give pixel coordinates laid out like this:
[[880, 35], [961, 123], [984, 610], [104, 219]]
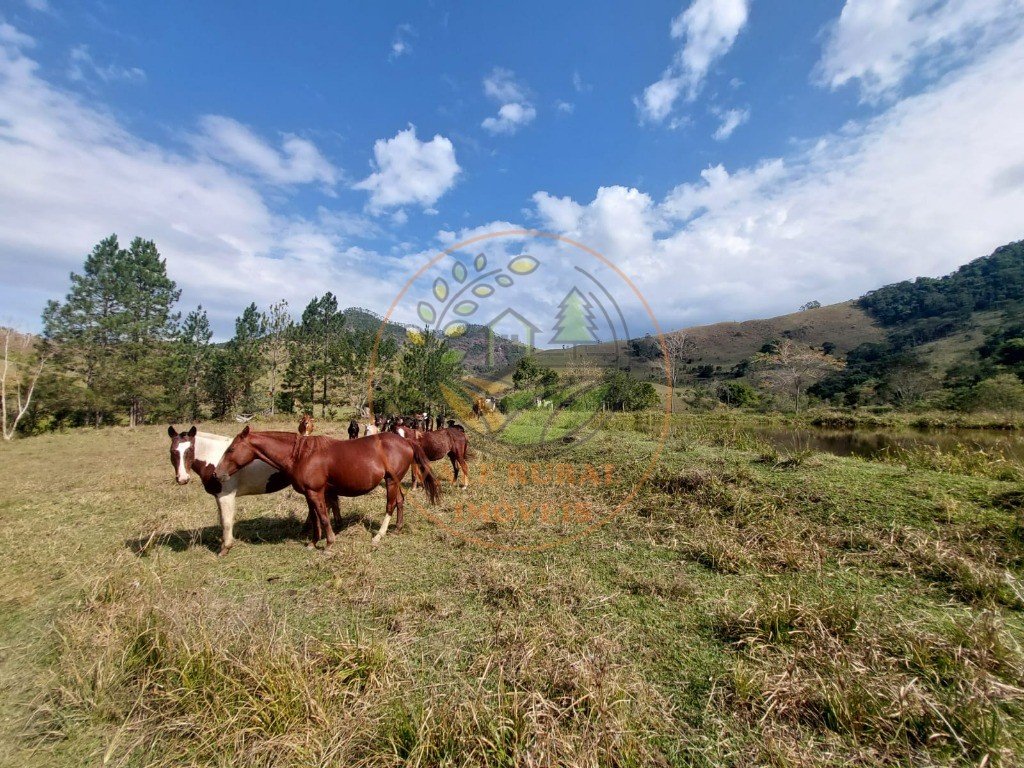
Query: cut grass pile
[[745, 608]]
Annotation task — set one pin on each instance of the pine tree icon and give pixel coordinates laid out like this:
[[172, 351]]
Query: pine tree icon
[[574, 323]]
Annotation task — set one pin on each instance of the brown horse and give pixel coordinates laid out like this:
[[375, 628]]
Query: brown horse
[[306, 425], [450, 442], [320, 466]]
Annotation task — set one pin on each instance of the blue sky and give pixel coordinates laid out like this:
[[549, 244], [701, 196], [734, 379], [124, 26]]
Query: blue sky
[[733, 158]]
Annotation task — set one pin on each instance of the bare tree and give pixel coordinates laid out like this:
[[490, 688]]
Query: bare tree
[[679, 347], [10, 377], [790, 368]]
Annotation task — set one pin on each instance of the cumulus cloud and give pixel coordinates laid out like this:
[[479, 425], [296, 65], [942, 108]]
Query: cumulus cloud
[[73, 175], [933, 181], [516, 109], [879, 43], [708, 29], [410, 170], [298, 161], [82, 67], [731, 120]]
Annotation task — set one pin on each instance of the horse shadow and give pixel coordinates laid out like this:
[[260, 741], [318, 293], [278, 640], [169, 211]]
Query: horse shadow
[[258, 531]]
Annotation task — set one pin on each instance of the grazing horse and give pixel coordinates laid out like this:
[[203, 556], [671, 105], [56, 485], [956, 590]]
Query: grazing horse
[[322, 465], [200, 452], [450, 442], [353, 429], [306, 424]]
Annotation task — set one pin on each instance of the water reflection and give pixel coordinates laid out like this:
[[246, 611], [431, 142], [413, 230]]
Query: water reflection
[[870, 444]]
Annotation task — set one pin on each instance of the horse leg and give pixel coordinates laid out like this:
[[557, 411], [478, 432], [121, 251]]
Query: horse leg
[[455, 467], [318, 501], [226, 507], [312, 526], [332, 504], [461, 457], [394, 500]]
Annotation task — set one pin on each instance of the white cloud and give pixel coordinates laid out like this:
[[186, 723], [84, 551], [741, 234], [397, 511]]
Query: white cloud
[[410, 170], [82, 67], [230, 142], [73, 175], [934, 181], [708, 29], [38, 5], [561, 214], [879, 43], [516, 108], [400, 44], [564, 107], [9, 36], [731, 120]]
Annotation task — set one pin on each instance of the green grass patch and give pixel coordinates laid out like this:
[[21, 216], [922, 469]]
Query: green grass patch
[[743, 609]]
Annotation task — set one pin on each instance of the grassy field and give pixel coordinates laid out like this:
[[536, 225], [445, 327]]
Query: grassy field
[[744, 608]]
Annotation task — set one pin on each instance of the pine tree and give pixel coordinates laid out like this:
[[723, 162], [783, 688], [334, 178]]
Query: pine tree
[[193, 358], [245, 356], [278, 325], [109, 332], [315, 350]]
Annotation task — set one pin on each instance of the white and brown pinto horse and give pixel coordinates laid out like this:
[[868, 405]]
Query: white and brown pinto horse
[[200, 452], [320, 466]]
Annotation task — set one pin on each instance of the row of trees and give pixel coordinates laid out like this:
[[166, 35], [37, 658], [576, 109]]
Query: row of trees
[[115, 349]]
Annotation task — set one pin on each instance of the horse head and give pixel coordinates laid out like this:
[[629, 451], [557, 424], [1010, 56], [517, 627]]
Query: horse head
[[183, 452], [306, 424], [237, 455]]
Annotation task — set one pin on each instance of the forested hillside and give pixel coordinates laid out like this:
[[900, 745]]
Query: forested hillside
[[117, 350], [949, 342]]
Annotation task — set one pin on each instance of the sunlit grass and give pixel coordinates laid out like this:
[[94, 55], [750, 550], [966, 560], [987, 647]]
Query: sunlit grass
[[745, 608]]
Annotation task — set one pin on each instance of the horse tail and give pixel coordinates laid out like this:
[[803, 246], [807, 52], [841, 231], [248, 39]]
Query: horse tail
[[430, 484]]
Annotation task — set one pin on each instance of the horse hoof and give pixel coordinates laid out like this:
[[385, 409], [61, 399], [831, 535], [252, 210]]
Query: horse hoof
[[223, 551], [375, 541]]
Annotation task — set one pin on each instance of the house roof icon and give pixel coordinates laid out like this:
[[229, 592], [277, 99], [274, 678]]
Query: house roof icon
[[529, 331]]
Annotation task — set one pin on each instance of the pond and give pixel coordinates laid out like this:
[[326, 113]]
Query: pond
[[870, 444]]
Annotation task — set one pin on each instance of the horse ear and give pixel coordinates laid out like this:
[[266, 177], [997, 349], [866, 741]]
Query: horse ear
[[245, 431], [192, 432], [172, 431]]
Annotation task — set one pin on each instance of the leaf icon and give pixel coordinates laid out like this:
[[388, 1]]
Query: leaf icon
[[465, 308], [503, 280], [455, 328], [440, 289], [483, 290], [480, 262], [426, 312], [523, 265], [459, 271]]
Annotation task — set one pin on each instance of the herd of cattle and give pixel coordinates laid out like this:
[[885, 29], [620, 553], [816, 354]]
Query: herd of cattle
[[321, 468]]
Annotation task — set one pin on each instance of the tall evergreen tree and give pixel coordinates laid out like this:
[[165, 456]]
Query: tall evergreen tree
[[110, 328], [278, 325], [245, 355], [316, 348], [192, 362]]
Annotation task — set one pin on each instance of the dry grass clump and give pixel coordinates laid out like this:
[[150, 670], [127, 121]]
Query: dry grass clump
[[193, 681], [974, 578], [727, 523], [958, 460], [891, 691], [193, 684]]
